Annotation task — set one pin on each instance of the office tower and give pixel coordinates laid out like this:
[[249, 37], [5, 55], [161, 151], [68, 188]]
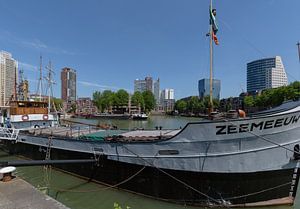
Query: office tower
[[144, 85], [167, 100], [8, 78], [68, 85], [156, 90], [204, 88], [265, 74]]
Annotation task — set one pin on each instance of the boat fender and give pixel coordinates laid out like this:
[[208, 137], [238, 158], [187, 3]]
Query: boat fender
[[296, 152], [45, 117], [242, 113], [36, 126], [25, 117]]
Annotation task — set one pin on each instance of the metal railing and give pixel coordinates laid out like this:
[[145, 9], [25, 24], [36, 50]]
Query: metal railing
[[9, 133]]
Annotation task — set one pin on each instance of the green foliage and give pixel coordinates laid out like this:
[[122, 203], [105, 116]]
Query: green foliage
[[106, 99], [181, 106], [149, 100], [97, 99], [117, 206], [122, 97], [58, 103], [138, 99], [72, 109], [249, 101], [195, 105], [276, 96]]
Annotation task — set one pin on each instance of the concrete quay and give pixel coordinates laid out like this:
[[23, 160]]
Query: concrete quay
[[19, 194]]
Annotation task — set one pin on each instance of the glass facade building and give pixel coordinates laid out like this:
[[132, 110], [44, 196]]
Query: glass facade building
[[265, 74], [203, 87]]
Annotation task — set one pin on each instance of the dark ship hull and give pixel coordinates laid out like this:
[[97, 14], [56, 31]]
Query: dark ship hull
[[183, 187]]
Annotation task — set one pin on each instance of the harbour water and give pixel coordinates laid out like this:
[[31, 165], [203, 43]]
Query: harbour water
[[166, 122], [78, 193]]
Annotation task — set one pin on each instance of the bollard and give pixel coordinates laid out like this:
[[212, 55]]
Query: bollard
[[7, 173]]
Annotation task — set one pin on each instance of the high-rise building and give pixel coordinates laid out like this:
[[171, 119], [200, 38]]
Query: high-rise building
[[156, 90], [167, 100], [265, 73], [68, 85], [139, 85], [167, 94], [8, 78], [204, 88], [144, 85], [149, 84]]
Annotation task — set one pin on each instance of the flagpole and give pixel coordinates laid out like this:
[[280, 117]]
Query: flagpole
[[298, 44], [211, 66]]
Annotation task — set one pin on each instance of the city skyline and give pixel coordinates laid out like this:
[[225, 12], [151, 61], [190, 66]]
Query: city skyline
[[110, 44]]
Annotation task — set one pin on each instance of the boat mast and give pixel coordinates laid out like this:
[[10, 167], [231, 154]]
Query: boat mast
[[211, 66], [50, 82], [40, 84]]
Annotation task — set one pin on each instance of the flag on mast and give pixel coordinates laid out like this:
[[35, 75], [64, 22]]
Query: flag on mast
[[213, 23]]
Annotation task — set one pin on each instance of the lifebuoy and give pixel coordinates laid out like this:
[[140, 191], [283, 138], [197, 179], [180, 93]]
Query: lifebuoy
[[45, 117], [25, 117]]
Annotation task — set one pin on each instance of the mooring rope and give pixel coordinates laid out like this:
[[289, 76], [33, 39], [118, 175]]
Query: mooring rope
[[100, 189], [178, 180]]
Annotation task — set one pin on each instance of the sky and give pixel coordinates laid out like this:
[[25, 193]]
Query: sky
[[110, 43]]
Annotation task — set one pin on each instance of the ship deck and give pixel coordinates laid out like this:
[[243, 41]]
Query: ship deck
[[93, 133]]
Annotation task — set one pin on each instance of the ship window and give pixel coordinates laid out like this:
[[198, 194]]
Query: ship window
[[21, 104], [297, 152], [168, 152]]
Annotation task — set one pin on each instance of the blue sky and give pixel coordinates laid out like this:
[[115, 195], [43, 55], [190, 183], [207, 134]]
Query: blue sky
[[112, 42]]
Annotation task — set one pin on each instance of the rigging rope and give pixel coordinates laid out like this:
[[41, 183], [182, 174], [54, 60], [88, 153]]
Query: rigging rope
[[261, 137], [259, 192], [176, 179], [106, 188]]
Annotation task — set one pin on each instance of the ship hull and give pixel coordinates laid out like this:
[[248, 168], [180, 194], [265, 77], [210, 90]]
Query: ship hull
[[183, 187]]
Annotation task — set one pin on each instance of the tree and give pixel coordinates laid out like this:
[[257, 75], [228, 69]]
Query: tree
[[192, 104], [72, 109], [97, 99], [149, 100], [138, 99], [106, 100], [57, 103], [181, 106], [249, 101], [122, 97]]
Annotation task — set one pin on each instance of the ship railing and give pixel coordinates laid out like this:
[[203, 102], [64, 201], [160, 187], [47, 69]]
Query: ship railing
[[9, 133]]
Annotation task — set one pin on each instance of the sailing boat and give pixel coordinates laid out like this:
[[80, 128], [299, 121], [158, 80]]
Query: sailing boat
[[245, 162], [27, 114]]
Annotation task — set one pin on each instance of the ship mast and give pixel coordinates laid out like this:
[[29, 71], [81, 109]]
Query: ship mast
[[50, 82], [211, 66], [40, 83]]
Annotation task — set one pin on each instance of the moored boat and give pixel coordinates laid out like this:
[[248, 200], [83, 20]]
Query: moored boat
[[26, 115], [237, 162], [243, 162], [139, 116]]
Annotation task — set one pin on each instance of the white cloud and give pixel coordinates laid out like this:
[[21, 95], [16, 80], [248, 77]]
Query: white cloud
[[102, 87], [36, 44], [26, 66]]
